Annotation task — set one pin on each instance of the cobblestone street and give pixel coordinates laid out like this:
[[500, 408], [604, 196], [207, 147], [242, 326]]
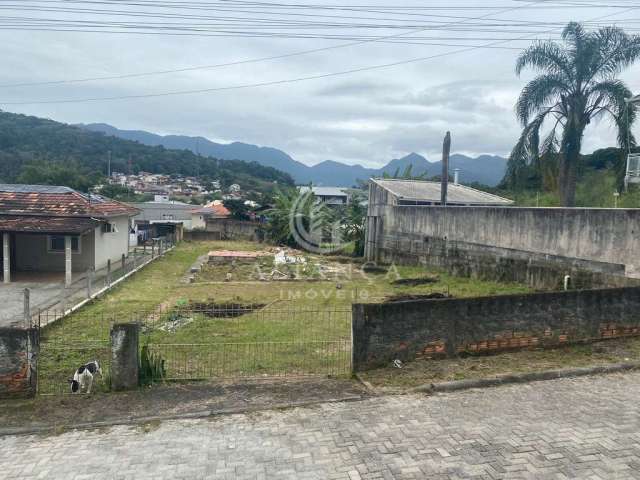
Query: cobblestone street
[[580, 428]]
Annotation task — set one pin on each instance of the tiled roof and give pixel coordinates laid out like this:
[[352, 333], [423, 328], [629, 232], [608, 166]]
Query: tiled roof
[[217, 210], [416, 190], [52, 225], [57, 201]]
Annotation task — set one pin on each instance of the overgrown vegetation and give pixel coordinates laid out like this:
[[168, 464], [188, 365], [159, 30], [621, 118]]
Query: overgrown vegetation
[[343, 224], [152, 367], [599, 179]]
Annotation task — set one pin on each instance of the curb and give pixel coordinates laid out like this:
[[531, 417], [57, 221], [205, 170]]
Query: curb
[[39, 429], [373, 390], [457, 385]]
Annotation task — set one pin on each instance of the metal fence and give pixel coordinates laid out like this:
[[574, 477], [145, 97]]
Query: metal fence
[[70, 342], [199, 341], [89, 285]]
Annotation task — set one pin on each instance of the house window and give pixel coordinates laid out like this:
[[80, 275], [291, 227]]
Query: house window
[[109, 228], [56, 244]]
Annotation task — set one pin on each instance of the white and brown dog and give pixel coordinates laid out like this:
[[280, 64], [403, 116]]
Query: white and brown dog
[[83, 377]]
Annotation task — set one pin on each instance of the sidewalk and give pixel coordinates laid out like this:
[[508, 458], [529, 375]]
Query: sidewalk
[[171, 401]]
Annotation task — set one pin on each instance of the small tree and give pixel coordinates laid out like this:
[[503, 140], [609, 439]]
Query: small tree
[[354, 227], [238, 209]]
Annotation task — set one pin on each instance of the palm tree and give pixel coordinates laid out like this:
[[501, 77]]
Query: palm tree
[[577, 85]]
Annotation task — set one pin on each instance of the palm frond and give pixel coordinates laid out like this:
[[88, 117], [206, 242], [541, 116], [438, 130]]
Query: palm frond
[[615, 51], [609, 93], [546, 56], [538, 93], [526, 150]]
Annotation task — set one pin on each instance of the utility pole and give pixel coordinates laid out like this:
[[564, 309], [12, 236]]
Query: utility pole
[[444, 184], [109, 164]]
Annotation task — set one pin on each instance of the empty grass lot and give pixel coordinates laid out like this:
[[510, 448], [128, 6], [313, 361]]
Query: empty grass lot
[[304, 326]]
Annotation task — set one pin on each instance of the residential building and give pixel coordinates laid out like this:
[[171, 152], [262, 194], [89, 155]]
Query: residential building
[[328, 195], [57, 229]]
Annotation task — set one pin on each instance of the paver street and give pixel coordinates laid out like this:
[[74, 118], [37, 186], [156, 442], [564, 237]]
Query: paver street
[[579, 428]]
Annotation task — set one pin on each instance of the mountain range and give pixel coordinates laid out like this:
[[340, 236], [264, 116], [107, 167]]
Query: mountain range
[[41, 151], [485, 169]]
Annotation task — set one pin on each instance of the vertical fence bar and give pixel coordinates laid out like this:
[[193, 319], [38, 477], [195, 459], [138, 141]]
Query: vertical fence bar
[[27, 309]]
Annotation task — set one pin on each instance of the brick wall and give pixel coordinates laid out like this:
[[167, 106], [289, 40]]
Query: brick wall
[[18, 353], [447, 327]]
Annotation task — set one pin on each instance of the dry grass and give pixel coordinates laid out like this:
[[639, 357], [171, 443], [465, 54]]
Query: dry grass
[[421, 372]]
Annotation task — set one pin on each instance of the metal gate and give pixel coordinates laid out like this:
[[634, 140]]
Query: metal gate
[[232, 341]]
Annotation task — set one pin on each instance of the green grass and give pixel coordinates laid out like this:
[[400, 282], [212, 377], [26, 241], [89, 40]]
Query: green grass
[[595, 189], [303, 328]]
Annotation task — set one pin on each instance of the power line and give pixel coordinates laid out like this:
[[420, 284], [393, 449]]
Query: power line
[[285, 81], [255, 60]]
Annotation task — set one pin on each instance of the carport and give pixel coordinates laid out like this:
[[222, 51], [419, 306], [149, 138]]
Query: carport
[[34, 245]]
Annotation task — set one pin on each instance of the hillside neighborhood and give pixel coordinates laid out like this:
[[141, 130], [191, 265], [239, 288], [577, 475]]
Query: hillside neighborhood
[[184, 305]]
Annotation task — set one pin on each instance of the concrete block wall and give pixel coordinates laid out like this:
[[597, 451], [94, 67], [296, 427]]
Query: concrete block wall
[[540, 271], [590, 234], [18, 354], [448, 327]]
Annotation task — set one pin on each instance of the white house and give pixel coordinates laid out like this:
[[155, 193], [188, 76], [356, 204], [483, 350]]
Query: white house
[[57, 229]]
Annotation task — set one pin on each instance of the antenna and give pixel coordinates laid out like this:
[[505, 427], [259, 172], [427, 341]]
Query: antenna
[[446, 148]]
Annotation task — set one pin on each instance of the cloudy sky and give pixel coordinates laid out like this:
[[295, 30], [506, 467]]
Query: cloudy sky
[[464, 82]]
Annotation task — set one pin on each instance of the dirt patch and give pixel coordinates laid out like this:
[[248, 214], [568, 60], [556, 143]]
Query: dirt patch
[[375, 269], [409, 296], [224, 310], [413, 282], [172, 399]]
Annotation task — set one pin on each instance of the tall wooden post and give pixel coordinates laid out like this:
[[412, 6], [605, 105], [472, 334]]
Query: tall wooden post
[[446, 149]]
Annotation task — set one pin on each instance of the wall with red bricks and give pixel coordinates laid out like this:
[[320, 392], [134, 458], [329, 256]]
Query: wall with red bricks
[[18, 354], [451, 326]]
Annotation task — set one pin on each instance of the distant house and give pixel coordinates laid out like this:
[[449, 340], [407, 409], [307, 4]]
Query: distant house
[[163, 218], [214, 221], [212, 210], [328, 195], [57, 229], [390, 216]]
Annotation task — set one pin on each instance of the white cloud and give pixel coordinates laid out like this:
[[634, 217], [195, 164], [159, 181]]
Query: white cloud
[[367, 117]]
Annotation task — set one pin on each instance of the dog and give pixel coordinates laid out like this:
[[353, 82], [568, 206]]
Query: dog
[[83, 377]]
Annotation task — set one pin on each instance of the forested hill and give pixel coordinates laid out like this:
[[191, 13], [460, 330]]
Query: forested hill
[[36, 150]]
